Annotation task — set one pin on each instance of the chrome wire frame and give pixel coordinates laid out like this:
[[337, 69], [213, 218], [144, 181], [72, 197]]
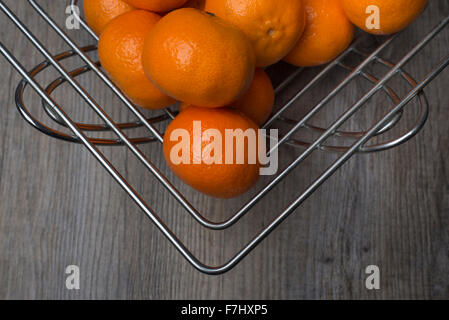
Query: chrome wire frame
[[360, 139]]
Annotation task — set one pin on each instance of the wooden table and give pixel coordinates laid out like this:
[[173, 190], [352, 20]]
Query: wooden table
[[58, 207]]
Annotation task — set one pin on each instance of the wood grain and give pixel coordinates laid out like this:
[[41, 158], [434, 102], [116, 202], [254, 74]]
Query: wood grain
[[59, 207]]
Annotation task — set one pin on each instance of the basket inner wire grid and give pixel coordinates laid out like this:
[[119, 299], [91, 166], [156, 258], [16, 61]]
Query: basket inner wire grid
[[391, 109]]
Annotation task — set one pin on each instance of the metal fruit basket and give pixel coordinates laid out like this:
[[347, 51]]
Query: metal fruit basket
[[345, 143]]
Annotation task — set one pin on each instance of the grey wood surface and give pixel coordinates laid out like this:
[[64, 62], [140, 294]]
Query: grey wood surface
[[58, 207]]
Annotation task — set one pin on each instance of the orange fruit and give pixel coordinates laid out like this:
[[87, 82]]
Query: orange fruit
[[273, 26], [120, 51], [328, 33], [257, 102], [394, 15], [157, 5], [200, 160], [198, 58], [98, 13]]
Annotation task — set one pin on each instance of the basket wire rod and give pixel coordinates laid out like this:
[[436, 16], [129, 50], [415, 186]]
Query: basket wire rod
[[97, 70], [368, 95], [170, 113]]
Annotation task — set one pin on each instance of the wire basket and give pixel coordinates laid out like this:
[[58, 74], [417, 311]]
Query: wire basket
[[355, 64]]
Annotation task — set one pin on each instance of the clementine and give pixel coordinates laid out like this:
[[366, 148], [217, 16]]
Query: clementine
[[328, 33], [120, 51], [99, 13], [198, 58], [273, 26], [394, 15], [258, 101], [198, 157]]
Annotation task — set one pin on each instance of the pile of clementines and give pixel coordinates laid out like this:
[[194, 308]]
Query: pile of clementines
[[209, 56]]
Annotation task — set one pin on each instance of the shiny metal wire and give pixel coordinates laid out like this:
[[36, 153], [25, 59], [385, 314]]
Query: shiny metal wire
[[358, 140]]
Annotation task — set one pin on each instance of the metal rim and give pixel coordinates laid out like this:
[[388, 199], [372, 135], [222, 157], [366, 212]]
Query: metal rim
[[27, 115], [352, 135], [413, 130]]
